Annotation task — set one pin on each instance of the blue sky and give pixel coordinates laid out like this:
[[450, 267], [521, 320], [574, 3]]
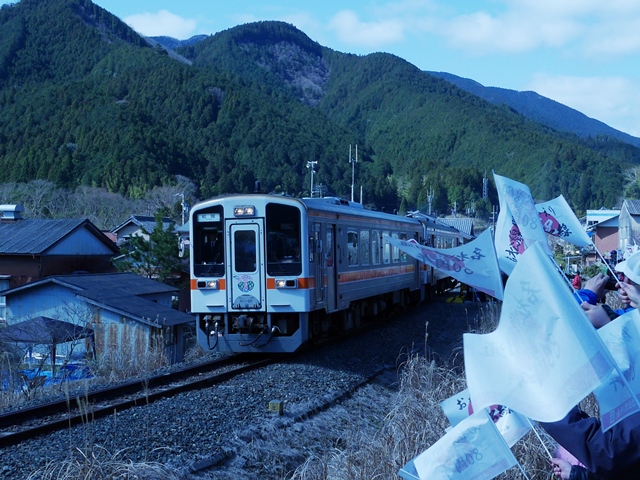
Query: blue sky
[[582, 53]]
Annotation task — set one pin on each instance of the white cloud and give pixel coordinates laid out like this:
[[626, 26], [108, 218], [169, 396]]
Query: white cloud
[[352, 31], [612, 100], [617, 37], [511, 32], [161, 23]]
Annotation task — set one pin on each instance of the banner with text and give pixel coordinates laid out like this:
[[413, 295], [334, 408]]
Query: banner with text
[[473, 264]]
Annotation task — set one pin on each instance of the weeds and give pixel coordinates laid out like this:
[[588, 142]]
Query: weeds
[[98, 464]]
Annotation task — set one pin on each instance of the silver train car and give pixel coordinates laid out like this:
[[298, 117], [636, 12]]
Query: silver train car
[[270, 273]]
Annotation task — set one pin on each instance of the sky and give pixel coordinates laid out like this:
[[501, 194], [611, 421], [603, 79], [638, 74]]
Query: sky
[[582, 53]]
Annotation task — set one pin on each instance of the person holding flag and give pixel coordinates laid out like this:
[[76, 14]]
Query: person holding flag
[[610, 455], [594, 291]]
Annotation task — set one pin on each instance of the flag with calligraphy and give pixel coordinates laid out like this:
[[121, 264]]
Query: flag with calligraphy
[[473, 263], [518, 225], [559, 220], [473, 449], [618, 394], [545, 356], [511, 425]]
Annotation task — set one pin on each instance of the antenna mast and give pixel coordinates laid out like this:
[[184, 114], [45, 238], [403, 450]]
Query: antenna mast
[[311, 165], [353, 169]]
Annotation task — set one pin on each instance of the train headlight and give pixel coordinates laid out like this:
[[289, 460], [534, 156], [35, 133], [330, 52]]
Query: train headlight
[[244, 211], [209, 284], [286, 283]]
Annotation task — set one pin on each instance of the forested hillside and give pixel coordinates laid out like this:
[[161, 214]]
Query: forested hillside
[[87, 102]]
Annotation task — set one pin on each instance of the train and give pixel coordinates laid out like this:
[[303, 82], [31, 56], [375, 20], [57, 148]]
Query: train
[[270, 273]]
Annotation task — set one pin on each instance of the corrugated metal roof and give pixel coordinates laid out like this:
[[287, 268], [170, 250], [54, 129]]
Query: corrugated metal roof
[[633, 206], [464, 225], [34, 236]]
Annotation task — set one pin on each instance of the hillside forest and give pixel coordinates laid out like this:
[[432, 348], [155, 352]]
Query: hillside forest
[[93, 114]]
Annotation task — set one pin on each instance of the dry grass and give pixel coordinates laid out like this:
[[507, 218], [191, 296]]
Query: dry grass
[[371, 436], [415, 421], [128, 362], [99, 464], [116, 366]]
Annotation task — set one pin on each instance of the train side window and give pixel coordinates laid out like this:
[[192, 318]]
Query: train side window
[[375, 247], [403, 254], [352, 247], [395, 250], [386, 248], [364, 247]]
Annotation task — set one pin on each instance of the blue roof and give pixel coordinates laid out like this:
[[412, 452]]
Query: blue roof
[[120, 292]]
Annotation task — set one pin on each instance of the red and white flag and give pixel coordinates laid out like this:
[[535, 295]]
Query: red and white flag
[[511, 425], [558, 220], [518, 226]]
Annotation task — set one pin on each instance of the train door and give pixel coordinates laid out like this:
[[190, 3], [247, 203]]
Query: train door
[[330, 262], [317, 249], [245, 261]]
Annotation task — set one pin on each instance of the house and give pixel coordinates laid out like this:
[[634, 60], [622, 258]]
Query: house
[[629, 224], [138, 225], [602, 227], [33, 249], [127, 312]]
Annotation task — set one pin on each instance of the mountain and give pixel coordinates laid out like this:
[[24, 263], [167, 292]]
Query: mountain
[[87, 101], [540, 109], [171, 43]]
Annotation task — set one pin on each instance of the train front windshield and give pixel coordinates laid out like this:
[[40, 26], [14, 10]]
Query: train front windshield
[[283, 240], [208, 243]]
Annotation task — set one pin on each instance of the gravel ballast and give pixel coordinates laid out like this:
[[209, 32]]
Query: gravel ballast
[[225, 431]]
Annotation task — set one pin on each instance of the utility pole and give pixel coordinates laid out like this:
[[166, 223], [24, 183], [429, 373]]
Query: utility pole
[[182, 204], [430, 198], [311, 165], [353, 169], [485, 186]]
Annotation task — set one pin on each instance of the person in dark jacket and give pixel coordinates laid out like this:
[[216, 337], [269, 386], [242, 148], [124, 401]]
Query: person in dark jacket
[[610, 455]]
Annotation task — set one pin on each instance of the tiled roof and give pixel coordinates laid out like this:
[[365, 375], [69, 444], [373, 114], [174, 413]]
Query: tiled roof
[[121, 292], [34, 236], [146, 222]]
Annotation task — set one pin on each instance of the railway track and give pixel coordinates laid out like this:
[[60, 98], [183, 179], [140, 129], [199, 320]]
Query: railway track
[[20, 425]]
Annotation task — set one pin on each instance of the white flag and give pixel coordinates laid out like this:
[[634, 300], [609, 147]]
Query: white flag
[[511, 425], [544, 356], [559, 220], [473, 449], [518, 226], [508, 240], [473, 263], [617, 396]]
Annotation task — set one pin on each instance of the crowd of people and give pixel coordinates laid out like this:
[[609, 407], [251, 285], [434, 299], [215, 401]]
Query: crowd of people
[[585, 450]]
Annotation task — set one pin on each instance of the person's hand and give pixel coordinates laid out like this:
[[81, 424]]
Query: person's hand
[[629, 294], [596, 284], [561, 468], [596, 314]]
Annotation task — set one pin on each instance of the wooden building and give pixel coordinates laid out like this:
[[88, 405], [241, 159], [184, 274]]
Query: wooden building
[[33, 249], [127, 312]]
